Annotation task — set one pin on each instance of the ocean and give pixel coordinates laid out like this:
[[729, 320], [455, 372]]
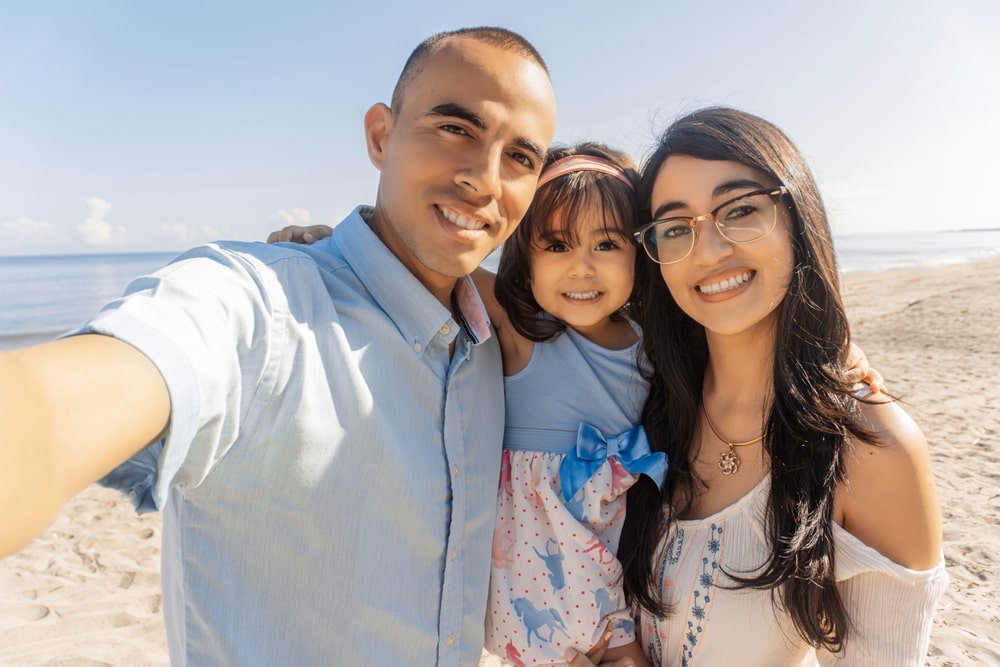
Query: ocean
[[44, 296]]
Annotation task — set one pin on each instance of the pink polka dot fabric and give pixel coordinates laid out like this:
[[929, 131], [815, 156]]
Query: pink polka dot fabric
[[555, 582]]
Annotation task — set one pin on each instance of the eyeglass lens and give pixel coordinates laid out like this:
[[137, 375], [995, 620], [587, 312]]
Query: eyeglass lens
[[739, 220]]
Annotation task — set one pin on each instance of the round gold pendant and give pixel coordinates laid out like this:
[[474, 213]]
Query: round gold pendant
[[729, 463]]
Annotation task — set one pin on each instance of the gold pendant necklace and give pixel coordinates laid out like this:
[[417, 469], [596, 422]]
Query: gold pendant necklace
[[729, 462]]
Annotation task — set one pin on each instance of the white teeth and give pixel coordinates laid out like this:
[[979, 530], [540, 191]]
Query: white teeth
[[582, 295], [727, 284], [461, 221]]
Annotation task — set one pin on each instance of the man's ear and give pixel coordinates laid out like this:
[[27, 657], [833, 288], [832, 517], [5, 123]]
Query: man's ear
[[378, 126]]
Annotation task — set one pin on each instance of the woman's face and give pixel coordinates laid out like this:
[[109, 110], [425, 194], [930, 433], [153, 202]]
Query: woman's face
[[729, 288]]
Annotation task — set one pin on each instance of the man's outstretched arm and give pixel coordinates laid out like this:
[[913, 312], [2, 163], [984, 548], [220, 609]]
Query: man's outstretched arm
[[70, 411]]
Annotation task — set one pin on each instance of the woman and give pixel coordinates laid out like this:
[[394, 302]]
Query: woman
[[799, 522]]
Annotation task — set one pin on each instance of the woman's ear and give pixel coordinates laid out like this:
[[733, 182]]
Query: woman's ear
[[378, 126]]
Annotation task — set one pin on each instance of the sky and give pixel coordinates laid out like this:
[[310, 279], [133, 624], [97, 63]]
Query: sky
[[131, 126]]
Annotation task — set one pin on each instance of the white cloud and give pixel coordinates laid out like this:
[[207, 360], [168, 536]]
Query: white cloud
[[95, 230], [27, 230], [297, 216]]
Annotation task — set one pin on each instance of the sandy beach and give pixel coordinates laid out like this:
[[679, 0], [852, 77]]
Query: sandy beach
[[87, 591]]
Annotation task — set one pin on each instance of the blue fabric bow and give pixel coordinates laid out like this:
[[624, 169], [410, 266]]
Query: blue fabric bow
[[593, 448]]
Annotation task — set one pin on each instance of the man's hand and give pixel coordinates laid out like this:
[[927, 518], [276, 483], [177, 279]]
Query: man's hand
[[858, 370]]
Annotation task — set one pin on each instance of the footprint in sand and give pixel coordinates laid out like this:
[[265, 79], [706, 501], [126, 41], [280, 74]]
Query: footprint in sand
[[28, 612]]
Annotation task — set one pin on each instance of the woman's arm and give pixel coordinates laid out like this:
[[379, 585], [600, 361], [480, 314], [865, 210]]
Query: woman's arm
[[889, 500], [889, 565]]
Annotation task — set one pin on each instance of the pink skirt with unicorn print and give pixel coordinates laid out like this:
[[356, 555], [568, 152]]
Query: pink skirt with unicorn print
[[556, 582]]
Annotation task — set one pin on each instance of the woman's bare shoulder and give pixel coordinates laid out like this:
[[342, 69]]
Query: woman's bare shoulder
[[889, 500]]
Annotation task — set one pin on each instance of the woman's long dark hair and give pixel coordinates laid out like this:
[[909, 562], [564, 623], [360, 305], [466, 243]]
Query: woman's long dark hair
[[563, 199], [810, 420]]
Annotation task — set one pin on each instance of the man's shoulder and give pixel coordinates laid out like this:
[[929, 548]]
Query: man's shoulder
[[256, 257]]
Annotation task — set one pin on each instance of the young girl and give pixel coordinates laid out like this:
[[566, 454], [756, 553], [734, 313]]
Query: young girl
[[572, 446], [799, 521]]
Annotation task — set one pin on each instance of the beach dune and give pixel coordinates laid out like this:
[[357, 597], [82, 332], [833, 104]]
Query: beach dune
[[86, 592]]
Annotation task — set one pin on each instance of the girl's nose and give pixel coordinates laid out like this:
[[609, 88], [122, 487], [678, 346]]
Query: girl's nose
[[583, 266]]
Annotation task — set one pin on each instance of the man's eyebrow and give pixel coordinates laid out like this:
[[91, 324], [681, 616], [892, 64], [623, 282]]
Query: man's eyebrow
[[453, 110], [458, 111], [532, 148]]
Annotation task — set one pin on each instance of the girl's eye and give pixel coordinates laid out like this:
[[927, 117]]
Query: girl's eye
[[607, 245], [556, 247]]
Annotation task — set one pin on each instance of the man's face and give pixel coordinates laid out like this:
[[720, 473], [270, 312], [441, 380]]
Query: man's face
[[460, 158]]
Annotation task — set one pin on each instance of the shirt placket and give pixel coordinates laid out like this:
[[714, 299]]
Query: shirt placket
[[453, 589]]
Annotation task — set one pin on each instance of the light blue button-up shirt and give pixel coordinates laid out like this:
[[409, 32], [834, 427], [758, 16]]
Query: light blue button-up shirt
[[329, 477]]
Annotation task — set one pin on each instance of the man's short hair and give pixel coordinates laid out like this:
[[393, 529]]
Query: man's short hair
[[498, 37]]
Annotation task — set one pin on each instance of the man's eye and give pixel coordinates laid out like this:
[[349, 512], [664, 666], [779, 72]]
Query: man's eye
[[454, 129], [524, 158]]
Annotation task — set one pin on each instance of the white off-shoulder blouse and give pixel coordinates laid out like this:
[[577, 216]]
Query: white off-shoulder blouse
[[891, 607]]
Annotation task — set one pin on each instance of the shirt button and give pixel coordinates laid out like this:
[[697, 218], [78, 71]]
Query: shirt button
[[445, 330], [454, 470], [417, 347], [454, 554], [449, 641]]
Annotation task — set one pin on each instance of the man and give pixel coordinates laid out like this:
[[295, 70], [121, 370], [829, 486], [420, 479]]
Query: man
[[327, 419]]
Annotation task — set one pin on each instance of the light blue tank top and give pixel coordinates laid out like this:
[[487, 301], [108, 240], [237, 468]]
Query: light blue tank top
[[571, 380]]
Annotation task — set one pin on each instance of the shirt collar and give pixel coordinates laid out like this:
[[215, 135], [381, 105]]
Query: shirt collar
[[417, 314]]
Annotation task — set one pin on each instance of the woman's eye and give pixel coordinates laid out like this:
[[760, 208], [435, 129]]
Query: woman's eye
[[740, 211], [675, 231]]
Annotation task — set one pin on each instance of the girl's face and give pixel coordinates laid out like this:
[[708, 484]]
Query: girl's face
[[583, 284], [726, 287]]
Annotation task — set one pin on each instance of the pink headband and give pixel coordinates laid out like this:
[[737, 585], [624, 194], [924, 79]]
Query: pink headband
[[568, 165]]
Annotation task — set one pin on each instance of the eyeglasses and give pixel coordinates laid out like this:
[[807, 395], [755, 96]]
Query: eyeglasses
[[743, 219]]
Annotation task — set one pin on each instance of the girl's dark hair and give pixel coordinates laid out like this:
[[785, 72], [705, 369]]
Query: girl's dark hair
[[810, 421], [566, 198]]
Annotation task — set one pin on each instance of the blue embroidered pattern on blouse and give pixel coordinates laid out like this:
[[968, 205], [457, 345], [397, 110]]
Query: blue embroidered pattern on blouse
[[702, 594], [672, 555], [675, 546]]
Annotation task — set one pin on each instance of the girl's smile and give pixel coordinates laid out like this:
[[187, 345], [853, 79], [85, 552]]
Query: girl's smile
[[584, 279]]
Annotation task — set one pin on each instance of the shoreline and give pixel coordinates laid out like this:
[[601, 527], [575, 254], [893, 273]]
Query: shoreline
[[87, 590]]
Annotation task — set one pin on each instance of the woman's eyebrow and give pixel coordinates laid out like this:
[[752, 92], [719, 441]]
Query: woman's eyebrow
[[737, 184], [718, 191]]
